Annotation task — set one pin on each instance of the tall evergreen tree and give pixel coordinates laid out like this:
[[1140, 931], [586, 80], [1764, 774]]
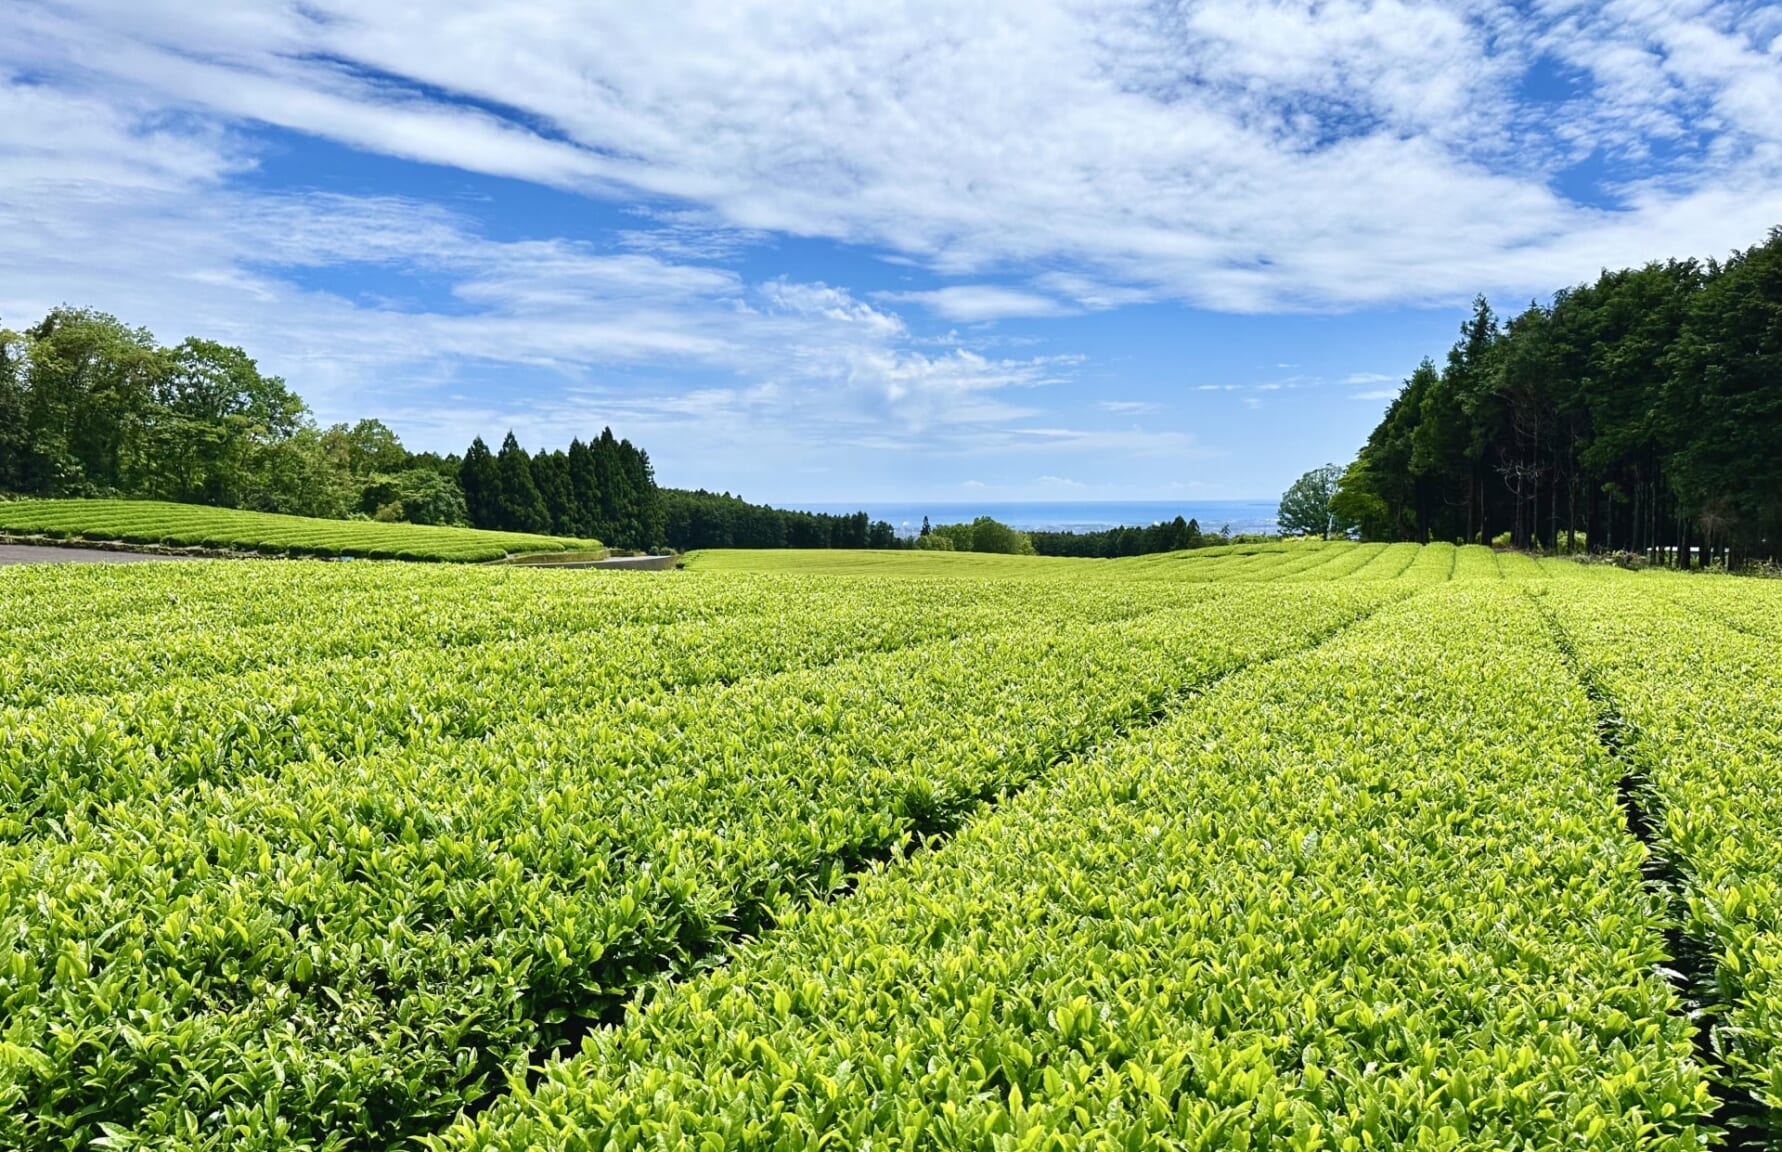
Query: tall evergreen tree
[[1723, 399], [646, 522], [550, 472], [1639, 413], [584, 491], [609, 478], [481, 481], [522, 508]]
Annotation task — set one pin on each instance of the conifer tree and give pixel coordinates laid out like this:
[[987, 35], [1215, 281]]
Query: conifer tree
[[481, 481], [609, 471], [550, 472], [522, 508], [584, 491]]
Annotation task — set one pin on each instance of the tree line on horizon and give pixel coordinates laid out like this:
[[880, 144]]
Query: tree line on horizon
[[92, 407], [1640, 413], [701, 519], [1176, 535]]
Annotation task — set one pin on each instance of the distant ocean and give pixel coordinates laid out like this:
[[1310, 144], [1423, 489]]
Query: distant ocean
[[1070, 516]]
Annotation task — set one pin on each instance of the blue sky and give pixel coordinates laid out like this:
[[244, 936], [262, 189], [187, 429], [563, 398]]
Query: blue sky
[[831, 252]]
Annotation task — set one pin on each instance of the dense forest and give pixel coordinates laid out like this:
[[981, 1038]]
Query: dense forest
[[92, 407], [702, 519], [1168, 536], [711, 520], [604, 490], [1641, 413]]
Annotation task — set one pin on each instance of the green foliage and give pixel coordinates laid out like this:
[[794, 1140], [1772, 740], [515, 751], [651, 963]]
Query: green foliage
[[1169, 536], [702, 519], [365, 449], [1308, 508], [1404, 914], [90, 407], [521, 508], [1639, 411], [605, 489], [415, 495], [376, 885], [1689, 670], [1283, 844], [480, 480], [189, 525], [983, 535]]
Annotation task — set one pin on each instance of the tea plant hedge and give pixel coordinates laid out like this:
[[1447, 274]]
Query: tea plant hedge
[[1310, 847], [229, 529]]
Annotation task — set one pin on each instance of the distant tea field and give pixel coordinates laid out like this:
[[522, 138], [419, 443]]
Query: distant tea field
[[1294, 846], [227, 529]]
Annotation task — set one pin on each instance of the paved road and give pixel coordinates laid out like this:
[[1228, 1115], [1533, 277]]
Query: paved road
[[37, 554]]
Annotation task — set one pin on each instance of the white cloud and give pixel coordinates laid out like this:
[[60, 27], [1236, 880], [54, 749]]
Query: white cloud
[[1128, 407], [161, 240], [972, 303], [1053, 157], [1240, 154]]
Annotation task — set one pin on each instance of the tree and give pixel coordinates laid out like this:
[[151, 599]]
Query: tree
[[1722, 403], [1307, 507], [646, 522], [1639, 411], [989, 535], [91, 407], [481, 481], [88, 390], [214, 415], [611, 481], [15, 438], [982, 535], [415, 495], [584, 491], [295, 476], [522, 509], [710, 520], [550, 471], [366, 447]]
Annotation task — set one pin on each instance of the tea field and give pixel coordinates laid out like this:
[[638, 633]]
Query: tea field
[[154, 522], [1261, 847]]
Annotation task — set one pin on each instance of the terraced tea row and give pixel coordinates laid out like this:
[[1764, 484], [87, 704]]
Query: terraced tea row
[[1698, 706], [84, 631], [344, 950], [193, 525], [1378, 896], [75, 754]]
